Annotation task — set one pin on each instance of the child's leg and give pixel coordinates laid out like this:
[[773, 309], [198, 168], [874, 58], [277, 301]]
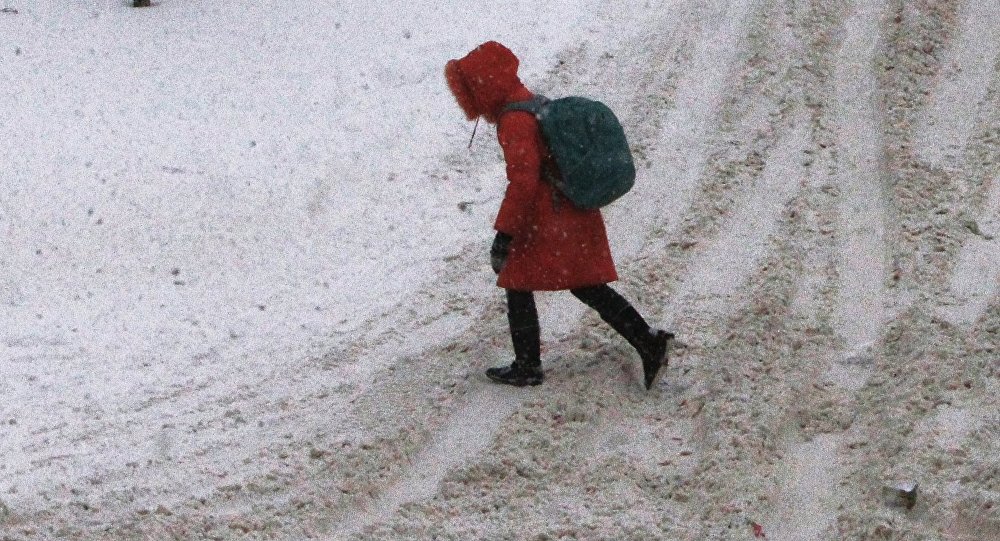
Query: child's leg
[[525, 333], [652, 345], [616, 311]]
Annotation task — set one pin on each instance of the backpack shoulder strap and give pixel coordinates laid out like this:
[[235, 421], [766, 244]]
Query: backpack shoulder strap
[[533, 106]]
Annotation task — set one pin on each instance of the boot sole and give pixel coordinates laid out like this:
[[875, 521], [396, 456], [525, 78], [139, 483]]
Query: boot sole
[[530, 382], [518, 383]]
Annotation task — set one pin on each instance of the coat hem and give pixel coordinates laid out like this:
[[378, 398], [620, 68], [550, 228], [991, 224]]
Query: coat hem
[[556, 288]]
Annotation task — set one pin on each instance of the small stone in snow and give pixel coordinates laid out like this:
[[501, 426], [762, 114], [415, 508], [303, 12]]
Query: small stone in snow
[[901, 494]]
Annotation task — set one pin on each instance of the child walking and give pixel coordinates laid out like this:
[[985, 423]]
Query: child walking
[[543, 242]]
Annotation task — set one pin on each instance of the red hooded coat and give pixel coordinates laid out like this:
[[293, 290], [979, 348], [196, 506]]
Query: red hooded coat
[[556, 245]]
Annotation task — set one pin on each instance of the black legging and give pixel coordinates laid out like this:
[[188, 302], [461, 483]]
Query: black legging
[[525, 333], [522, 313]]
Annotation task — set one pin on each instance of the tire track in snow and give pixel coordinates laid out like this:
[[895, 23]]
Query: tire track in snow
[[468, 432], [962, 84], [683, 143], [863, 269], [808, 506], [976, 278], [727, 125], [925, 196], [712, 282], [958, 110]]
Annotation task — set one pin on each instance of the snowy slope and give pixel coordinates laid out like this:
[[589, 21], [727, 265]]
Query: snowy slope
[[245, 294], [264, 155]]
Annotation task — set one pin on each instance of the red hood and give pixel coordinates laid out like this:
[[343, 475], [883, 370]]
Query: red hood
[[485, 80]]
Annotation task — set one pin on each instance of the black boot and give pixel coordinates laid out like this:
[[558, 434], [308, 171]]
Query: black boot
[[516, 374], [525, 334], [654, 354], [651, 344], [527, 366]]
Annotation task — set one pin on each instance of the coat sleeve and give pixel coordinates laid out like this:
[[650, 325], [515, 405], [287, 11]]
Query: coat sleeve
[[522, 150]]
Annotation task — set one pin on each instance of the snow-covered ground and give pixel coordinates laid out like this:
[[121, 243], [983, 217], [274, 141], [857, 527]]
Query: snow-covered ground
[[245, 293]]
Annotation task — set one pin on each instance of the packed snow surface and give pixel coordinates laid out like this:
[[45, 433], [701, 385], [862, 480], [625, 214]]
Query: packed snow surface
[[245, 291]]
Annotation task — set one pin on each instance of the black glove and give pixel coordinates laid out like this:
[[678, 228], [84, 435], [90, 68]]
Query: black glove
[[499, 251]]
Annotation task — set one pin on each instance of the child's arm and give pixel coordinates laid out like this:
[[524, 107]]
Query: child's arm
[[522, 150]]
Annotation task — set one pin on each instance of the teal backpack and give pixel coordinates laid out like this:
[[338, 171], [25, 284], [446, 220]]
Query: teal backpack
[[588, 145]]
